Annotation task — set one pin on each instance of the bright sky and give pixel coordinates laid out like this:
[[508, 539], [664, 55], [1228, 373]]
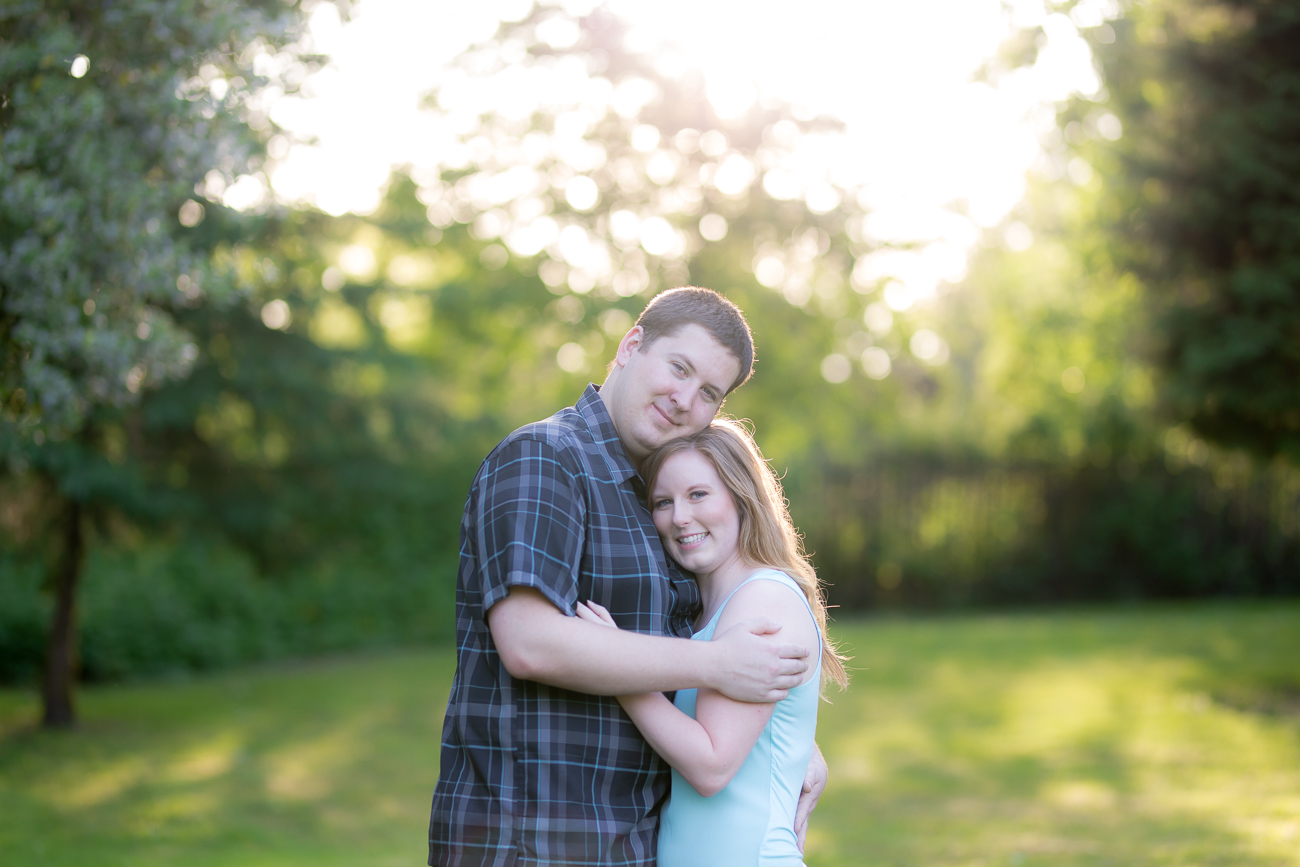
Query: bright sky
[[920, 135]]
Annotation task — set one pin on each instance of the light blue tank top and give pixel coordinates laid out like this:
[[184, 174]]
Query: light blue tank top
[[751, 821]]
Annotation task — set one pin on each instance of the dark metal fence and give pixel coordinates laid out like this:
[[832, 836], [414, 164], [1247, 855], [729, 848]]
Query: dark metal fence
[[911, 531]]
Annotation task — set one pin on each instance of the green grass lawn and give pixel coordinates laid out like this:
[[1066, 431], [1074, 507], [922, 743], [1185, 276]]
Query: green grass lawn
[[1146, 736]]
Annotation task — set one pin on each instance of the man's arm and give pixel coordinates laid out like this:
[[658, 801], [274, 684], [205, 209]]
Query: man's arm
[[814, 783], [539, 642]]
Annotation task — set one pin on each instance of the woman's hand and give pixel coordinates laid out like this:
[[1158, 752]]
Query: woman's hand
[[593, 612]]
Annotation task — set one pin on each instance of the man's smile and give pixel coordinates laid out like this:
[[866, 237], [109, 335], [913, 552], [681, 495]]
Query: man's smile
[[668, 419]]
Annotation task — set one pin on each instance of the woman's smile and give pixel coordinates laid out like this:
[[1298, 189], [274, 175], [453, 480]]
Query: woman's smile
[[695, 515]]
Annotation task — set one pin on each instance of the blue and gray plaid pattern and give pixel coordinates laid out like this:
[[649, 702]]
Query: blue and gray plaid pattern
[[534, 774]]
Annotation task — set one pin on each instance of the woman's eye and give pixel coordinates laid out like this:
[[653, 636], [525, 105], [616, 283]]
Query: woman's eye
[[660, 504]]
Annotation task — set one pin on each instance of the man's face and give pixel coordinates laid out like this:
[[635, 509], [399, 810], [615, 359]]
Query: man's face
[[669, 389]]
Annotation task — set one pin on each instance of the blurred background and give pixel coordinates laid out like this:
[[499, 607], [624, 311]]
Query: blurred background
[[275, 276], [1024, 277]]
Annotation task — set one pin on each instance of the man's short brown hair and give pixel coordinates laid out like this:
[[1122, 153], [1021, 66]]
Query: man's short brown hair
[[669, 311]]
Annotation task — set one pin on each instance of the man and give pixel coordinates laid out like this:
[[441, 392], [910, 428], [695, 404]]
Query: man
[[539, 763]]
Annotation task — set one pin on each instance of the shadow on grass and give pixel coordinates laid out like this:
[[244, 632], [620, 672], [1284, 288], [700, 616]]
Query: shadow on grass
[[1093, 737], [321, 763], [1066, 738]]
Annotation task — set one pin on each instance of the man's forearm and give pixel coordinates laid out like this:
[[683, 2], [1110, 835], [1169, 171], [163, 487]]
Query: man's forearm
[[537, 641]]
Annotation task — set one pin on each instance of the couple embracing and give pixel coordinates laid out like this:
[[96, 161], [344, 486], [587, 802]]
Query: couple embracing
[[630, 546]]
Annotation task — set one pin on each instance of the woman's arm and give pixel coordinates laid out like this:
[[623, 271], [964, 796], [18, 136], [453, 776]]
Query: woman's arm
[[708, 750], [707, 756]]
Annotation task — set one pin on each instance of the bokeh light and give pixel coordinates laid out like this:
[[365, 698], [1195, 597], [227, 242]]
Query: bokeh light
[[930, 153], [876, 363], [276, 314], [836, 368]]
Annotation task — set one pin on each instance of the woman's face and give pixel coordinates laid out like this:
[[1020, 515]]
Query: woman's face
[[695, 514]]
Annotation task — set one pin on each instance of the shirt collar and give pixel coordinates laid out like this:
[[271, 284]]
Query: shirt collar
[[604, 435]]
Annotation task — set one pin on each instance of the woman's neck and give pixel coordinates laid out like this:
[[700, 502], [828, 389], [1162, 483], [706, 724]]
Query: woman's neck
[[717, 585]]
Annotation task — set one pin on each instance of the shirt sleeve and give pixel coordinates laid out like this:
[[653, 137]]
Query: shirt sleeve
[[530, 523]]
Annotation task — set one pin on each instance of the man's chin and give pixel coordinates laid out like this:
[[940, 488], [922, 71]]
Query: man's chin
[[662, 429], [654, 441]]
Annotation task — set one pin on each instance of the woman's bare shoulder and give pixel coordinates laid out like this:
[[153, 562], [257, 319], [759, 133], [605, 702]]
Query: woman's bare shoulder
[[769, 597]]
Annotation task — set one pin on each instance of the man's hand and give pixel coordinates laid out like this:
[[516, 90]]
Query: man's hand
[[814, 783], [753, 666], [539, 642]]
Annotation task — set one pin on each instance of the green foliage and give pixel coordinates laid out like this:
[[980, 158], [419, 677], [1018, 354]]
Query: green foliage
[[1202, 205], [1059, 480], [176, 607], [171, 610], [24, 618], [621, 180], [912, 531], [299, 488], [110, 115]]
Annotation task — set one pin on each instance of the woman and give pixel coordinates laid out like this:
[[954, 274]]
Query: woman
[[737, 767]]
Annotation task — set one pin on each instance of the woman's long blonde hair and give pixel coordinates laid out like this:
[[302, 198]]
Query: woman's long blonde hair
[[767, 535]]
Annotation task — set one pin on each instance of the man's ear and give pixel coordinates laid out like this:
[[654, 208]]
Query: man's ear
[[631, 342]]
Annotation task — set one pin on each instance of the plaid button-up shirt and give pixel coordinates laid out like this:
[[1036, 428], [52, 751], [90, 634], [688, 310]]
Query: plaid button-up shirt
[[534, 774]]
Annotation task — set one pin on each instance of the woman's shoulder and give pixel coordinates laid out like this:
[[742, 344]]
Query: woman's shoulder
[[771, 573], [772, 594], [769, 581]]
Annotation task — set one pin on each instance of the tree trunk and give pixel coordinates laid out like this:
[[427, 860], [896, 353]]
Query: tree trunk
[[61, 656]]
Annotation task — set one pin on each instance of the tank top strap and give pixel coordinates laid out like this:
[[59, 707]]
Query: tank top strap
[[764, 574], [779, 577]]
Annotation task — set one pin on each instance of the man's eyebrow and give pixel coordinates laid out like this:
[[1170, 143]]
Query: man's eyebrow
[[683, 359], [680, 356]]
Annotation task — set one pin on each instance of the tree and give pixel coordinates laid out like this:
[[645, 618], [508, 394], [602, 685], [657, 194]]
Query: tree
[[111, 116], [602, 165], [1203, 204]]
